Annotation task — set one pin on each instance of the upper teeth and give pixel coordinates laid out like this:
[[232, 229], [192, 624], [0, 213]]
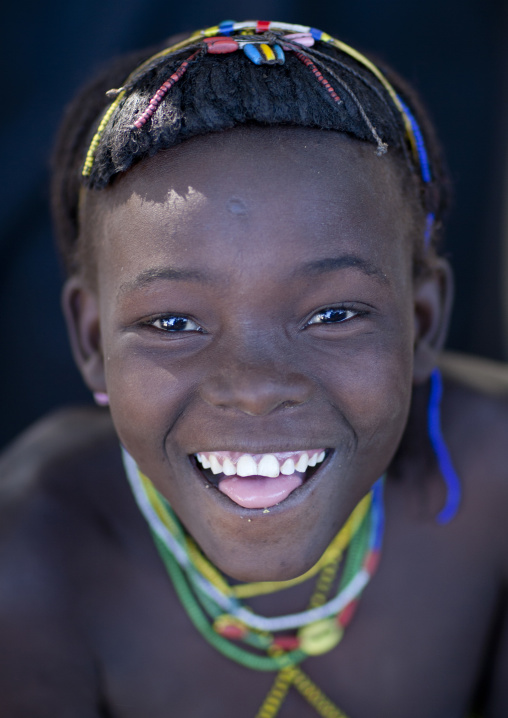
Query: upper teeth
[[270, 465]]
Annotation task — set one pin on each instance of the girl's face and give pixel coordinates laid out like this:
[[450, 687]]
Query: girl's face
[[255, 296]]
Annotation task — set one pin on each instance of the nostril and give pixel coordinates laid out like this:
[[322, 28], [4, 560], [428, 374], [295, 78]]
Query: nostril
[[256, 391], [289, 404]]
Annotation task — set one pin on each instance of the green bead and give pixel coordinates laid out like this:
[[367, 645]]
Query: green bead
[[320, 637]]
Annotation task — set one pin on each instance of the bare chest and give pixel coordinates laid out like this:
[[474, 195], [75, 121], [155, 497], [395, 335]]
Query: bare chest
[[414, 647]]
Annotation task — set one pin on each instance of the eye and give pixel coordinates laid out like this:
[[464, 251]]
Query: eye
[[335, 315], [175, 324]]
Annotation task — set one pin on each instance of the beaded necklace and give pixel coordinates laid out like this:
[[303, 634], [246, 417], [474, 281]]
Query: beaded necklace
[[217, 612]]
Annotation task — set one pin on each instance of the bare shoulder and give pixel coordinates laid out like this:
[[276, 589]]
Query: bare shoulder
[[61, 483], [57, 465], [56, 534], [475, 425]]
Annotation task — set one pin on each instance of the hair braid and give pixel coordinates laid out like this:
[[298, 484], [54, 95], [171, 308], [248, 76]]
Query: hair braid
[[200, 86]]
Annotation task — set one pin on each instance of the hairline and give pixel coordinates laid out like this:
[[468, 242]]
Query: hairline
[[90, 200]]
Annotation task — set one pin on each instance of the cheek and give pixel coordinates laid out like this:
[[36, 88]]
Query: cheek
[[146, 400], [372, 388], [383, 397]]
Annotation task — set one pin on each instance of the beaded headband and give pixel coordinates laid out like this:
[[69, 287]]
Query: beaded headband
[[265, 43]]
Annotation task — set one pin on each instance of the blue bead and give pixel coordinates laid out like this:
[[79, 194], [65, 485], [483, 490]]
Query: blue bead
[[226, 27], [420, 144], [316, 34], [428, 228], [279, 53], [253, 54], [451, 479]]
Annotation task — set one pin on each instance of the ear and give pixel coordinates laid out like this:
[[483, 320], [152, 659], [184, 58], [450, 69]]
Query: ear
[[433, 297], [81, 310]]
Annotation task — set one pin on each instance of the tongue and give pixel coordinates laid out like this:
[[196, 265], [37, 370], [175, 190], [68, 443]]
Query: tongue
[[259, 492]]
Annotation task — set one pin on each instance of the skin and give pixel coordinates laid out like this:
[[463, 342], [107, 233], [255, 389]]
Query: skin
[[256, 377], [92, 626]]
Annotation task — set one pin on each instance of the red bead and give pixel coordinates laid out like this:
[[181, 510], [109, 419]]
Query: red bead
[[347, 614], [232, 632], [221, 45], [262, 26], [287, 643], [372, 561]]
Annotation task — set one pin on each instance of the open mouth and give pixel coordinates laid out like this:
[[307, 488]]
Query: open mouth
[[258, 481]]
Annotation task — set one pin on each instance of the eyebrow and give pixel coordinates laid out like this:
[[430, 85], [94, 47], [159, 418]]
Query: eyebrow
[[314, 268], [346, 261], [168, 273]]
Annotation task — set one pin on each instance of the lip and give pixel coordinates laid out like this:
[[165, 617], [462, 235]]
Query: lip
[[297, 496]]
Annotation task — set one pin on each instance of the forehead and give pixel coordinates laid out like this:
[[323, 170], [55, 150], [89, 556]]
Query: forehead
[[270, 189]]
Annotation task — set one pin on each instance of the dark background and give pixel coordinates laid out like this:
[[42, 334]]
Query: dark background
[[453, 51]]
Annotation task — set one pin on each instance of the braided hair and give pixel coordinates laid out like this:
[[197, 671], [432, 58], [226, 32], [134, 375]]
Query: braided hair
[[234, 74]]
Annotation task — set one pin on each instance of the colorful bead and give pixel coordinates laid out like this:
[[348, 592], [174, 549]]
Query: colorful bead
[[264, 54], [320, 637], [229, 627], [317, 634], [267, 52], [163, 89], [419, 144], [429, 226], [306, 35], [319, 77], [253, 53], [226, 27], [286, 643], [279, 53], [210, 31], [372, 561], [347, 614], [301, 38], [221, 45], [452, 481], [262, 26]]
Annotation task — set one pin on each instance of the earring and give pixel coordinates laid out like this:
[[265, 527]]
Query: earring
[[452, 481], [101, 398]]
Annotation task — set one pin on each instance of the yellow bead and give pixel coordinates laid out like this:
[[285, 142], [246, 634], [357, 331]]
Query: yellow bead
[[267, 52], [320, 637]]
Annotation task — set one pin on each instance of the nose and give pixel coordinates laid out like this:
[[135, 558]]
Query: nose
[[256, 389]]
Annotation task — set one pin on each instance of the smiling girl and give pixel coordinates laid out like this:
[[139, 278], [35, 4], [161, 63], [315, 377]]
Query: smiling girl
[[250, 222]]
